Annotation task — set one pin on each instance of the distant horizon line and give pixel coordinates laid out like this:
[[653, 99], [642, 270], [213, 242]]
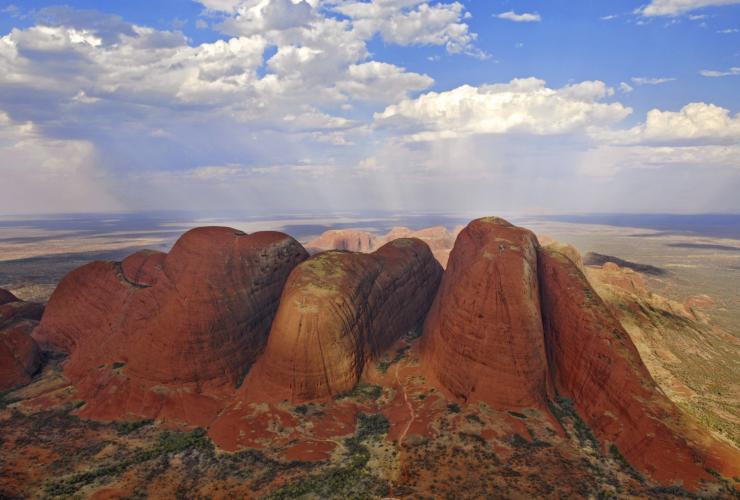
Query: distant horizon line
[[315, 212]]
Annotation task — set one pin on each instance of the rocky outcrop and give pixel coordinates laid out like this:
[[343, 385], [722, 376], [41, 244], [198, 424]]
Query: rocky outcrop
[[594, 362], [143, 267], [6, 296], [12, 309], [20, 357], [568, 250], [483, 338], [338, 311], [158, 331], [353, 240], [439, 239]]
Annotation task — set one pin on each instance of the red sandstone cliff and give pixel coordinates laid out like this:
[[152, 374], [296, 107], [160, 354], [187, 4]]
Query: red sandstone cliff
[[20, 357], [155, 334], [594, 362], [483, 337], [338, 311]]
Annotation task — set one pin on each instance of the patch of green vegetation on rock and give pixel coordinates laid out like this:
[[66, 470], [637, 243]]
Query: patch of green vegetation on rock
[[368, 392], [402, 242], [350, 480], [6, 399], [619, 458], [125, 428], [413, 334], [384, 364], [563, 408], [169, 443], [371, 425]]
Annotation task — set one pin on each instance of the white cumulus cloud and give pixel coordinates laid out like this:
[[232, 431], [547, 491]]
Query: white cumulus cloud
[[521, 106], [677, 7], [524, 17]]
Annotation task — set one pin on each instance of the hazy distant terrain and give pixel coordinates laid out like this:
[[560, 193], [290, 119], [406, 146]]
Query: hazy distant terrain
[[700, 253]]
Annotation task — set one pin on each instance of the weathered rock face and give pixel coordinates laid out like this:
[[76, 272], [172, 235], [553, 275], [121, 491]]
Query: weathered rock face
[[13, 309], [483, 336], [568, 250], [20, 357], [84, 303], [439, 239], [143, 267], [157, 331], [594, 362], [338, 311]]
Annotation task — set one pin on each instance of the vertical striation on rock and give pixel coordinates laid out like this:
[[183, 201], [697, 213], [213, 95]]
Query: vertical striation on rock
[[594, 362], [338, 311], [159, 330], [483, 337]]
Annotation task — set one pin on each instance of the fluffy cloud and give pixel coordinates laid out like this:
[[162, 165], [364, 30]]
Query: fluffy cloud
[[695, 123], [524, 17], [521, 106], [382, 82], [412, 22], [401, 22], [63, 175], [717, 74], [98, 113], [253, 17], [677, 7], [100, 68]]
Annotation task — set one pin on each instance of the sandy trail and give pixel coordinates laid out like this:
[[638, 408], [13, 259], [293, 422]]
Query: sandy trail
[[412, 413]]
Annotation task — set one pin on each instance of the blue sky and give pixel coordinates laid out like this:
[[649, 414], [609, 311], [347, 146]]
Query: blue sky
[[536, 106]]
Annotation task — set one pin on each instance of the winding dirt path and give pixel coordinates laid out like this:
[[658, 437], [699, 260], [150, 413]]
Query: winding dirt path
[[412, 413]]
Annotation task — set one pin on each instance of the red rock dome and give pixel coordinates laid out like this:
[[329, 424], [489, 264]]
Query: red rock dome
[[338, 311], [594, 362], [20, 357], [483, 337], [155, 333]]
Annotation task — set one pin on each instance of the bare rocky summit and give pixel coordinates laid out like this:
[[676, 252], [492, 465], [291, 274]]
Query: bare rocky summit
[[338, 312]]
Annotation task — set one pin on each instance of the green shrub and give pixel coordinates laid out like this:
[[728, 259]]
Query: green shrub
[[124, 428], [368, 392]]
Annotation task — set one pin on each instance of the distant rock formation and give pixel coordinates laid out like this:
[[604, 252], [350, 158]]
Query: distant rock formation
[[13, 309], [353, 240], [154, 334], [483, 337], [439, 239], [597, 259], [338, 311], [20, 357]]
